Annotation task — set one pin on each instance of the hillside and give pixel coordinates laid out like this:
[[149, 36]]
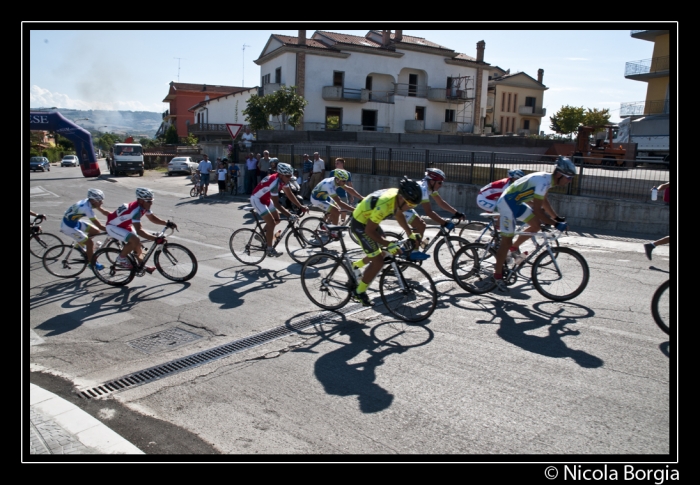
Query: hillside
[[135, 123]]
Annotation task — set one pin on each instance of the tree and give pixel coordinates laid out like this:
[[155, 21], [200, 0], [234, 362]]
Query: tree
[[284, 104], [191, 140], [567, 120], [597, 119], [171, 135]]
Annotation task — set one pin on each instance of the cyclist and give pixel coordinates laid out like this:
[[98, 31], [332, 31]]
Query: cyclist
[[124, 224], [366, 217], [434, 178], [325, 195], [265, 199], [513, 204], [75, 227], [489, 194], [340, 165]]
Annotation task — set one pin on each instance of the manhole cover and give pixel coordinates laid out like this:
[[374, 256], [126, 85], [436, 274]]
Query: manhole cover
[[163, 340]]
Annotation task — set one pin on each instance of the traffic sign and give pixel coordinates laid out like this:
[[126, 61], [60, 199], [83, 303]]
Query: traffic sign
[[234, 129]]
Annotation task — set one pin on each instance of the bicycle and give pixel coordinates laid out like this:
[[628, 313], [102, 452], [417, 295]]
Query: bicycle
[[319, 225], [174, 261], [233, 186], [40, 241], [249, 246], [489, 229], [70, 260], [406, 289], [660, 306], [196, 190], [558, 273]]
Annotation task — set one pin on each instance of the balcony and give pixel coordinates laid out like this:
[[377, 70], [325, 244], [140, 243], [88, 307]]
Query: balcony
[[637, 108], [311, 126], [531, 111], [381, 97], [446, 95], [166, 114], [212, 129], [412, 90], [647, 68], [414, 126], [270, 88], [340, 93], [649, 35]]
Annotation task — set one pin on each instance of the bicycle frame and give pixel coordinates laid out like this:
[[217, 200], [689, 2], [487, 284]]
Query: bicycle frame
[[291, 223]]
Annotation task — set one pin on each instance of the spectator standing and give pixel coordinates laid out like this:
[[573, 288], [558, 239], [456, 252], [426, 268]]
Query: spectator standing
[[251, 173], [649, 247], [205, 168], [306, 170], [263, 164], [319, 171], [247, 139], [273, 166], [222, 173]]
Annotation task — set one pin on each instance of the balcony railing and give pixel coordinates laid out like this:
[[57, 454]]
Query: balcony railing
[[381, 96], [270, 88], [340, 93], [207, 128], [311, 126], [532, 110], [635, 108], [655, 65], [413, 90], [447, 94]]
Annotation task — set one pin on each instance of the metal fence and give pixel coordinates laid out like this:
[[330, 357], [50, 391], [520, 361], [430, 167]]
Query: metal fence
[[479, 168]]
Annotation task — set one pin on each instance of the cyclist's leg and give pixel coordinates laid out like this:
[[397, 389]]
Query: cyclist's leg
[[533, 224], [506, 228], [89, 245], [374, 256], [417, 223], [271, 217], [76, 233]]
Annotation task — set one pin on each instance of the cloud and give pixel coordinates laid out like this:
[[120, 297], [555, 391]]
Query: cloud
[[43, 98]]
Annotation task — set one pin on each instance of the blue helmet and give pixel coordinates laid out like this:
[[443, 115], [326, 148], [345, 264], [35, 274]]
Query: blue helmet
[[566, 166], [515, 174]]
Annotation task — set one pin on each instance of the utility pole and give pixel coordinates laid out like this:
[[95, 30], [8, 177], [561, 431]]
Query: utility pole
[[178, 67], [243, 70]]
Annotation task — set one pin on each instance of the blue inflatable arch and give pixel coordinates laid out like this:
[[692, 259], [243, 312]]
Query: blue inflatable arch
[[81, 138]]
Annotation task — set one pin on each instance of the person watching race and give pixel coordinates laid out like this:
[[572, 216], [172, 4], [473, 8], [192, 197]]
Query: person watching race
[[325, 195], [74, 225], [124, 224], [366, 217], [434, 178], [488, 194], [265, 200], [514, 204]]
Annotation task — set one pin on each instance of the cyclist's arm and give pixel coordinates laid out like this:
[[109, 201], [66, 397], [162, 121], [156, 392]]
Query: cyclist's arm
[[143, 234], [541, 207], [156, 220], [290, 195], [401, 219], [663, 186], [103, 211], [340, 204], [353, 192], [95, 221], [280, 208], [371, 231]]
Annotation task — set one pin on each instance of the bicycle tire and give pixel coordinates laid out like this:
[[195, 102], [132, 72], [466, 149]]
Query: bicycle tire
[[300, 244], [193, 192], [234, 188], [473, 266], [317, 226], [64, 261], [444, 253], [471, 229], [248, 246], [660, 307], [548, 279], [112, 274], [326, 281], [40, 242], [175, 262], [116, 244], [414, 303]]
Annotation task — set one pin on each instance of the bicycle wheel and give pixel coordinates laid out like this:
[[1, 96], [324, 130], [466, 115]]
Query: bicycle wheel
[[64, 261], [115, 244], [193, 192], [175, 262], [445, 251], [248, 246], [561, 278], [40, 242], [472, 268], [112, 274], [234, 187], [302, 244], [473, 231], [326, 281], [660, 307], [318, 227], [410, 295]]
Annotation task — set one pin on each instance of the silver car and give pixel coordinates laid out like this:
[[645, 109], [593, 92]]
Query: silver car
[[182, 165], [70, 161]]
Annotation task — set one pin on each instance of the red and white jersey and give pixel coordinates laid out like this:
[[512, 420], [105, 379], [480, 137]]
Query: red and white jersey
[[268, 186], [126, 215], [493, 190]]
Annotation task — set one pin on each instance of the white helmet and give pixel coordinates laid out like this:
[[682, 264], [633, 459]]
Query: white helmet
[[144, 193], [95, 194], [285, 169]]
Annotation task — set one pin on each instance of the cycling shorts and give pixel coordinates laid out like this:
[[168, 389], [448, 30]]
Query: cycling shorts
[[120, 233], [369, 245], [261, 207], [486, 204], [77, 233], [508, 217]]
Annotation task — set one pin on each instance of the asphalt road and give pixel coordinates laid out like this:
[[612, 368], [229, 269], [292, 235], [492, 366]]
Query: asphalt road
[[486, 376]]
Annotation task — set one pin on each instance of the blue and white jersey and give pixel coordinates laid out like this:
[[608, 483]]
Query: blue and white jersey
[[527, 188], [339, 190], [324, 190], [82, 208]]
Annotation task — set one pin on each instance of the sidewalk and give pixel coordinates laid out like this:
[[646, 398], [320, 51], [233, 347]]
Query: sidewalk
[[58, 427]]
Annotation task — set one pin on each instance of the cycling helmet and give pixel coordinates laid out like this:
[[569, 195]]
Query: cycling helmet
[[410, 190], [515, 174], [96, 194], [435, 174], [566, 166], [341, 174], [144, 193], [284, 169]]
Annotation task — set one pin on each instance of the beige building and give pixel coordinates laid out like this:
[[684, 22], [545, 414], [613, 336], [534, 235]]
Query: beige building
[[655, 72], [514, 102]]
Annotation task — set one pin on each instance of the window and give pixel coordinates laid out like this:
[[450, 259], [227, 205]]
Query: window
[[515, 103], [526, 124], [278, 75], [412, 84], [266, 79], [369, 120], [509, 98], [503, 103], [420, 113], [449, 115], [334, 118], [368, 83], [338, 77], [530, 101]]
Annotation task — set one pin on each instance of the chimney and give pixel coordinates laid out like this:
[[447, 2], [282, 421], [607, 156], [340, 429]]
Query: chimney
[[399, 36], [386, 36], [480, 51], [302, 37], [540, 74]]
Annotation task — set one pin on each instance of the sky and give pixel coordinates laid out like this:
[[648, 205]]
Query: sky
[[128, 67]]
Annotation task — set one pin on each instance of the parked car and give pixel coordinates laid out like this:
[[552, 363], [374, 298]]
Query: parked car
[[39, 163], [70, 161], [182, 165]]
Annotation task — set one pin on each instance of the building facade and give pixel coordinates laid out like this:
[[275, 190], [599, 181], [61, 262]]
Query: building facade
[[514, 104], [655, 72], [211, 115]]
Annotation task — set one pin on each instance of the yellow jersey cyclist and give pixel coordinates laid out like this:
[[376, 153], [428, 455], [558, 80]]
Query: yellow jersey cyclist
[[366, 217], [75, 226], [325, 195], [430, 185]]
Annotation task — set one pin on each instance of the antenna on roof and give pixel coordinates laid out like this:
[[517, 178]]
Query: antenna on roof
[[243, 70], [178, 67]]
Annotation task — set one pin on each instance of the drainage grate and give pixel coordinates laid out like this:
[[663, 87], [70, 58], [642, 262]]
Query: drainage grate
[[164, 340], [195, 360]]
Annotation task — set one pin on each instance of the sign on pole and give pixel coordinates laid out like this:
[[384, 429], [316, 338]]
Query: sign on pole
[[234, 129]]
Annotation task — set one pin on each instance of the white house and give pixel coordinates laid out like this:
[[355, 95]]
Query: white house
[[211, 115], [384, 81]]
